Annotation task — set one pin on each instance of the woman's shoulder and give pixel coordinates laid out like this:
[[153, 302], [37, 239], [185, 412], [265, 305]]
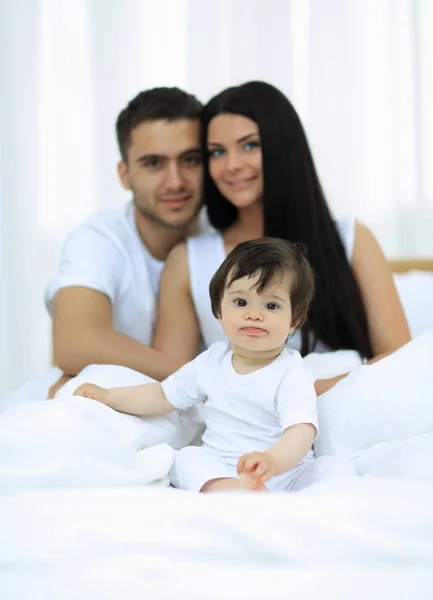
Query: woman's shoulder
[[205, 252], [209, 239]]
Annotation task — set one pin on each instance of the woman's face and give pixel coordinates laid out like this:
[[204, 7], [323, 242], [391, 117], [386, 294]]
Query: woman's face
[[235, 159]]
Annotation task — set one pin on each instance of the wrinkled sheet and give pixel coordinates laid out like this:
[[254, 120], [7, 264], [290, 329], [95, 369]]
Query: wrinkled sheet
[[369, 539]]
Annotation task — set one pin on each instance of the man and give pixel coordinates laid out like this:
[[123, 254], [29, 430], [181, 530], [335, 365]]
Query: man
[[103, 300]]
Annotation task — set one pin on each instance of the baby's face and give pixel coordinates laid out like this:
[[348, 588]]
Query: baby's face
[[253, 321]]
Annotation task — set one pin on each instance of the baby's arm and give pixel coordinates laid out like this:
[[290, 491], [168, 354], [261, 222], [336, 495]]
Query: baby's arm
[[255, 468], [297, 411], [292, 447], [144, 400]]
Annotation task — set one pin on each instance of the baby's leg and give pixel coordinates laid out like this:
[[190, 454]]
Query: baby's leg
[[315, 470], [226, 484], [200, 470], [318, 470]]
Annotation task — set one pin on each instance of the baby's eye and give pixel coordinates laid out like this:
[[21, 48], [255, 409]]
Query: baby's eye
[[271, 306], [240, 302]]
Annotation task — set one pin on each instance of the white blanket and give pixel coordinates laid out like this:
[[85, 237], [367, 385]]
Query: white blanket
[[371, 540], [75, 442]]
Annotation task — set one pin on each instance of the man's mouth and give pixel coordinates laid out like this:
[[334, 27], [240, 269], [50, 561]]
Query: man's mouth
[[176, 201]]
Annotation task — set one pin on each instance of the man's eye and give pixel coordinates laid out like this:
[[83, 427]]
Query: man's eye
[[240, 302], [271, 306], [192, 161], [152, 163]]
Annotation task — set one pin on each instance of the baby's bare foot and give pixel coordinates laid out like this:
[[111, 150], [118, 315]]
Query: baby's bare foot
[[261, 488]]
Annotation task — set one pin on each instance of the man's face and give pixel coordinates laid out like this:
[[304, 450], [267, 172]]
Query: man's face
[[164, 171]]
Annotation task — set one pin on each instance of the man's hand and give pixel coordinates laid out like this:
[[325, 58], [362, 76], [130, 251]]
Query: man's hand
[[94, 392], [255, 468], [52, 391]]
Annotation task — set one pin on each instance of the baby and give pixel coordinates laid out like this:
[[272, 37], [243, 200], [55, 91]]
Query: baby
[[259, 397]]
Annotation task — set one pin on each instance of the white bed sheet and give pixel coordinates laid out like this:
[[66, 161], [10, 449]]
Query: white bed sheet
[[81, 529], [373, 539]]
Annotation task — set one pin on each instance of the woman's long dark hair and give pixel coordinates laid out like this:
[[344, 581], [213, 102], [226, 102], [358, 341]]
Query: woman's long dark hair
[[294, 209]]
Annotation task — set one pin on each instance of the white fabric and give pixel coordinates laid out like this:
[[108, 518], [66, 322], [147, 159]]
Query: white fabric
[[386, 402], [194, 466], [76, 442], [243, 413], [364, 539], [415, 289], [106, 254], [177, 428], [411, 458], [70, 443], [205, 255]]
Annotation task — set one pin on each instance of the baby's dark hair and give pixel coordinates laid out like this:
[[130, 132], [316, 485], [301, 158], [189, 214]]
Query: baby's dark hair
[[271, 259]]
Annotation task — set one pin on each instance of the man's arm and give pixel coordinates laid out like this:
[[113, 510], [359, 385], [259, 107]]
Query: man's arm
[[83, 334]]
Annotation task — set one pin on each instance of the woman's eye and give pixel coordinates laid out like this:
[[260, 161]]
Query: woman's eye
[[240, 302], [271, 306], [251, 146], [216, 152]]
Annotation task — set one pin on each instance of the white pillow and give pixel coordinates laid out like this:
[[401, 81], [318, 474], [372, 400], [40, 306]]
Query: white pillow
[[178, 429], [415, 289], [409, 459], [330, 364], [388, 401]]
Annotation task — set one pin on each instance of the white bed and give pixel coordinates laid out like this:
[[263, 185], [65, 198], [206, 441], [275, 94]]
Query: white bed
[[370, 540], [85, 511]]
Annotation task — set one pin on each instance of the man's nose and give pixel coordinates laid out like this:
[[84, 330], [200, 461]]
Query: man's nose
[[174, 179]]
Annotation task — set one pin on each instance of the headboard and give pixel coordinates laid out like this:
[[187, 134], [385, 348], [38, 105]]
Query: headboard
[[401, 265]]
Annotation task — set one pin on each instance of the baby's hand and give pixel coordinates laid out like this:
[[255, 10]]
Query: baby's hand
[[92, 391], [255, 468]]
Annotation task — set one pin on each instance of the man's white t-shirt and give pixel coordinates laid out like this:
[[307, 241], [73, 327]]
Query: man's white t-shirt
[[244, 413], [106, 254]]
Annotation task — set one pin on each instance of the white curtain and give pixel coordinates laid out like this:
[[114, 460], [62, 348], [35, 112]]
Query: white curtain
[[360, 73]]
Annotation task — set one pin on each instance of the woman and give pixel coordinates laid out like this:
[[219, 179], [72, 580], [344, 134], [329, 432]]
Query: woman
[[261, 180]]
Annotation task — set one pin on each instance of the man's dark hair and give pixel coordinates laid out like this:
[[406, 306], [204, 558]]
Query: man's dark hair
[[271, 259], [152, 105]]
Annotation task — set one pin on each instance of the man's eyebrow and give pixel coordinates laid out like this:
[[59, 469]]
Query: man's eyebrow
[[146, 157], [239, 141], [191, 151]]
